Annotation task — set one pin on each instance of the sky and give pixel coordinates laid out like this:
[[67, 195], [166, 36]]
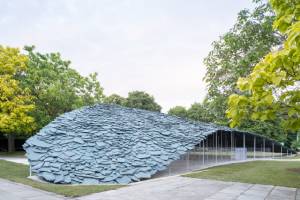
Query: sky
[[157, 46]]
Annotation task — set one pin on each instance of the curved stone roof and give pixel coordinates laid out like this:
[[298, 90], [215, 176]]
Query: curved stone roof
[[110, 144]]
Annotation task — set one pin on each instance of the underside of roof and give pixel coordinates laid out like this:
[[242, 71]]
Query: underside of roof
[[111, 144]]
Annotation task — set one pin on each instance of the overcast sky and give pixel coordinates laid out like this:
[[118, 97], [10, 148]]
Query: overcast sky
[[153, 45]]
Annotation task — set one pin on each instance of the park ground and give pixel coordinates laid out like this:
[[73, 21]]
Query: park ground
[[285, 173]]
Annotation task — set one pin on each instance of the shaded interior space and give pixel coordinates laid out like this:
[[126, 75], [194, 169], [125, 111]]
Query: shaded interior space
[[225, 146]]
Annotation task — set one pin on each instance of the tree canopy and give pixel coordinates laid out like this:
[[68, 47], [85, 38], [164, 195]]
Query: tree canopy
[[142, 100], [236, 53], [115, 99], [15, 101], [178, 111], [57, 87], [271, 91]]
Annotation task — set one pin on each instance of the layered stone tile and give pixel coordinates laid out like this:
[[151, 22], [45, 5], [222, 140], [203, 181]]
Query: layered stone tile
[[110, 144]]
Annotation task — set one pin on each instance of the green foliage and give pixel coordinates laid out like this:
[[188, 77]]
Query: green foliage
[[15, 101], [271, 91], [115, 99], [198, 112], [142, 100], [235, 54], [178, 111], [57, 87]]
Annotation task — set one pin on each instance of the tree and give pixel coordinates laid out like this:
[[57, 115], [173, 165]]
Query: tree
[[236, 53], [57, 87], [178, 111], [271, 91], [115, 99], [15, 102], [198, 112], [142, 100]]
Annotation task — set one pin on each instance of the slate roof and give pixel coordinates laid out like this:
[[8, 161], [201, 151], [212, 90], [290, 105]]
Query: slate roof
[[111, 144]]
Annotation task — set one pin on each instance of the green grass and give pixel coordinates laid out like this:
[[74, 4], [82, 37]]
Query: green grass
[[12, 154], [19, 173], [279, 173]]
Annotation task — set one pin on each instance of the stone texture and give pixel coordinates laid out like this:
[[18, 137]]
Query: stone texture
[[110, 144]]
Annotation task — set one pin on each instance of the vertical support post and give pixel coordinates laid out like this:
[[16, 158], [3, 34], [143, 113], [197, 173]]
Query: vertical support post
[[203, 152], [217, 147], [281, 151], [244, 145], [254, 147], [231, 145], [207, 148], [264, 147], [188, 161], [221, 145], [226, 145], [287, 152], [30, 172], [273, 150]]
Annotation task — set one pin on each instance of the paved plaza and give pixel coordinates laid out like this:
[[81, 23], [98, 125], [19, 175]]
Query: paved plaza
[[167, 188]]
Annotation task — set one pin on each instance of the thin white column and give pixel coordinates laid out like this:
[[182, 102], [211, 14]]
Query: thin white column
[[221, 145], [244, 140], [264, 140], [231, 144], [217, 147], [272, 149], [203, 152], [244, 144], [254, 147], [188, 160]]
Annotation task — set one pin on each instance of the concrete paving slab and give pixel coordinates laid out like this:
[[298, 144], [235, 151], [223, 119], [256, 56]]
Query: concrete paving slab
[[14, 191], [167, 188]]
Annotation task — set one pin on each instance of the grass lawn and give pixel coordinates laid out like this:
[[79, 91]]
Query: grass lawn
[[19, 173], [280, 173], [12, 154]]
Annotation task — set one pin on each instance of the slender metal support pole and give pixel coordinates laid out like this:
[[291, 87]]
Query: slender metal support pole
[[207, 148], [203, 152], [244, 145], [221, 145], [188, 161], [231, 144], [217, 147], [281, 151], [287, 152], [254, 147], [226, 146], [272, 149], [244, 140], [264, 140], [30, 172]]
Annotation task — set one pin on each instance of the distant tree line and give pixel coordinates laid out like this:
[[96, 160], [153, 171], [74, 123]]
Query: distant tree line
[[135, 99]]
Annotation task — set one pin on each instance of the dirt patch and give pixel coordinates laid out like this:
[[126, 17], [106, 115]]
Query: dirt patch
[[295, 170]]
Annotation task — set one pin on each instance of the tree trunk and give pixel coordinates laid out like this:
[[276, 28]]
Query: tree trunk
[[11, 142]]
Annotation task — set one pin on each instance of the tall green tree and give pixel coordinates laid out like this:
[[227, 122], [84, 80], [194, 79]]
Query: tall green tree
[[235, 54], [57, 87], [15, 101], [272, 89], [142, 100], [178, 111], [115, 99], [198, 112]]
